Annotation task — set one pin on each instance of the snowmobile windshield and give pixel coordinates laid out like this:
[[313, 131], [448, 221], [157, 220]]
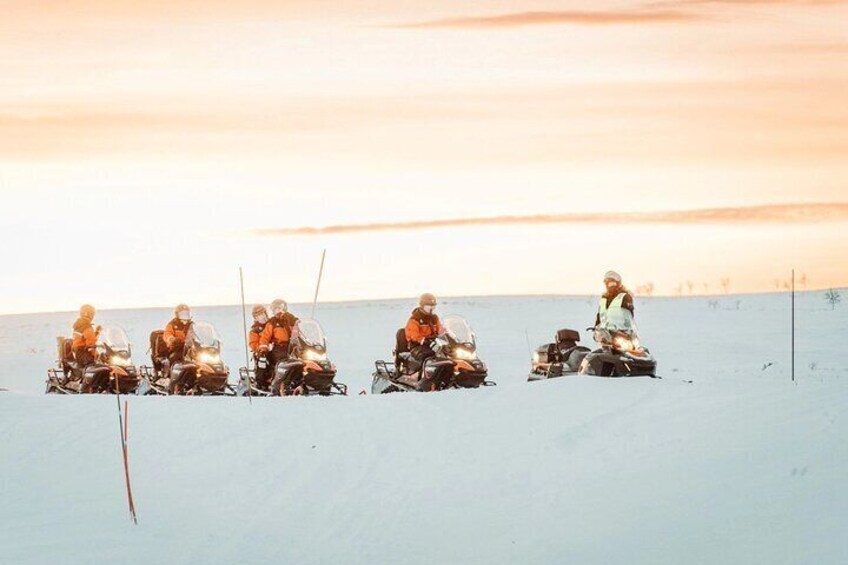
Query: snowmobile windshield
[[311, 333], [204, 334], [459, 330], [116, 339]]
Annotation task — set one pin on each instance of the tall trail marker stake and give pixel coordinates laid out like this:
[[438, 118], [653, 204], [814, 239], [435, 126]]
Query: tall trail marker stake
[[318, 285], [246, 346], [793, 325]]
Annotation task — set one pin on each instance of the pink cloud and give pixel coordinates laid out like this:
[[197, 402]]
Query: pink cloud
[[771, 214]]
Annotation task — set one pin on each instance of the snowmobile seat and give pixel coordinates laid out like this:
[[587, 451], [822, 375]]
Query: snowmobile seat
[[566, 339], [66, 354], [570, 353], [402, 354], [401, 345], [158, 349], [67, 359], [574, 357]]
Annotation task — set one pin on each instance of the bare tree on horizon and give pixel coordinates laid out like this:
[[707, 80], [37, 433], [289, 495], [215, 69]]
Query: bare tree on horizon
[[833, 298], [725, 284], [646, 289]]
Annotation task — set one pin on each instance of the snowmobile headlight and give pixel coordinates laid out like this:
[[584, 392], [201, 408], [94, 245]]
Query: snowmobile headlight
[[536, 357], [623, 343], [209, 358], [119, 361], [462, 353], [312, 355]]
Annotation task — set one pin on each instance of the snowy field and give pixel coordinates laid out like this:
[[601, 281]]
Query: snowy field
[[739, 465]]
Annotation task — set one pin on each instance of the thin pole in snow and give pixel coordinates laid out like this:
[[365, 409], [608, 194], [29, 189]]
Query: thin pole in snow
[[246, 346], [793, 325], [124, 430], [318, 285]]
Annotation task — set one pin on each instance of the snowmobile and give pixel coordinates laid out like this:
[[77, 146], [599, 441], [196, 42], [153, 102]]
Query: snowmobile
[[454, 365], [200, 372], [307, 371], [112, 371], [620, 355]]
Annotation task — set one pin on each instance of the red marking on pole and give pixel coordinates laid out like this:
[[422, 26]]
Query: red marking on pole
[[129, 487]]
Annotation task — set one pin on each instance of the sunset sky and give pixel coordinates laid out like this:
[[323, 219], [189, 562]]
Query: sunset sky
[[149, 148]]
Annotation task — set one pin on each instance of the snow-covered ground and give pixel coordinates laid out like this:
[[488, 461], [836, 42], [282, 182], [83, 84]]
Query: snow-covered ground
[[738, 466]]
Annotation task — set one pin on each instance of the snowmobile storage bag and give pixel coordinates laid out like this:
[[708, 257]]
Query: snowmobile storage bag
[[546, 353]]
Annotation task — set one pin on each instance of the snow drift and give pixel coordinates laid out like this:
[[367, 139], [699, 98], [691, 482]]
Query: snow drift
[[738, 465]]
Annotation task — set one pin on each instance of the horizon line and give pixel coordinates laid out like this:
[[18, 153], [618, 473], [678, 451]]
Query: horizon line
[[593, 295]]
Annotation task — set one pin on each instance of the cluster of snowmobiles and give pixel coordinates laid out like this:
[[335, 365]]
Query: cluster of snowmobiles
[[199, 371], [307, 369], [620, 354]]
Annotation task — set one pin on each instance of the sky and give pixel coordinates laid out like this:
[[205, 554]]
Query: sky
[[150, 148]]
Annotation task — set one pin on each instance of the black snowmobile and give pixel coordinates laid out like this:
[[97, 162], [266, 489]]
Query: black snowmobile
[[112, 371], [455, 364], [307, 370], [200, 372], [620, 355]]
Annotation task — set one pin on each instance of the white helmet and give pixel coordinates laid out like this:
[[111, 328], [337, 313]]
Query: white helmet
[[612, 276], [182, 312], [279, 306], [260, 314]]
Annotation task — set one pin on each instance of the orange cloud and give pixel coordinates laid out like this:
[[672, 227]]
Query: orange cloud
[[572, 17], [751, 2], [772, 214]]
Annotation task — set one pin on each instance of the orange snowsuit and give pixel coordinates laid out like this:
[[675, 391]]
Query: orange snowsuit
[[255, 335], [278, 330], [422, 326], [175, 333], [85, 335]]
